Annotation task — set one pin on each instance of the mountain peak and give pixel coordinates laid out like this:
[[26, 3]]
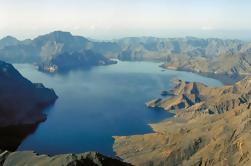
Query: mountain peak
[[8, 41], [60, 33], [9, 38], [59, 36]]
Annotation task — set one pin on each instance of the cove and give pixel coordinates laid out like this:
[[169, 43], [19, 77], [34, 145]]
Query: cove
[[98, 103]]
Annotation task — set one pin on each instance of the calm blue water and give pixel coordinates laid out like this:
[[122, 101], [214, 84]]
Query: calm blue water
[[97, 104]]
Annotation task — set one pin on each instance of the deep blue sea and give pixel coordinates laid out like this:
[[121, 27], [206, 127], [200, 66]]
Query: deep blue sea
[[99, 103]]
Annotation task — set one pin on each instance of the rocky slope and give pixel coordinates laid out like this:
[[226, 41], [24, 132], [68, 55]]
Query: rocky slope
[[29, 158], [21, 106], [211, 127]]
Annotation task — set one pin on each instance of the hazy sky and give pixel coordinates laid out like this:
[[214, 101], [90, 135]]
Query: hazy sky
[[107, 19]]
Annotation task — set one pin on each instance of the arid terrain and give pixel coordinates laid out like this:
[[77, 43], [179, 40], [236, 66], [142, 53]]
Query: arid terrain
[[211, 127]]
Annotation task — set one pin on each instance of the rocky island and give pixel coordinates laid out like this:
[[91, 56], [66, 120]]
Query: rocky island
[[211, 127]]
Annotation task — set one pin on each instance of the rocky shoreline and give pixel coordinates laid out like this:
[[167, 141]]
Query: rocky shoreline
[[209, 128]]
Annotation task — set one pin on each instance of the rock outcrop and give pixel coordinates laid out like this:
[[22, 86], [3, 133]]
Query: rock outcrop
[[211, 127], [29, 158]]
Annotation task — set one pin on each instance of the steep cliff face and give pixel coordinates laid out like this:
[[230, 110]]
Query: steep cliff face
[[21, 106], [211, 129], [29, 158], [21, 101]]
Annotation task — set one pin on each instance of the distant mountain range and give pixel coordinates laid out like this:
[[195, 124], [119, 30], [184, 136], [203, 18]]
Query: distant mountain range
[[55, 51], [46, 47], [194, 54]]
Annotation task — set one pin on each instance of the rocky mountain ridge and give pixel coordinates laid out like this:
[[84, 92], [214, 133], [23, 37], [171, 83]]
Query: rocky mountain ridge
[[212, 55]]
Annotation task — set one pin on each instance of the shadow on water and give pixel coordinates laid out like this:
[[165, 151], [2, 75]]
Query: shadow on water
[[12, 136]]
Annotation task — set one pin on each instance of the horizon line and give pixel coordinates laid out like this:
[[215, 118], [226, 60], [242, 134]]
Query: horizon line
[[123, 37]]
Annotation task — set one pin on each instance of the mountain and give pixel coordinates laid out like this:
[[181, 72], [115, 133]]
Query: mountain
[[191, 54], [58, 42], [211, 127], [21, 106], [29, 158], [50, 47], [212, 55], [8, 41], [189, 46]]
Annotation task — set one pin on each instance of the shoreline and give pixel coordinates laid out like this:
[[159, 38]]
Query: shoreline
[[225, 79], [205, 74], [160, 146]]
